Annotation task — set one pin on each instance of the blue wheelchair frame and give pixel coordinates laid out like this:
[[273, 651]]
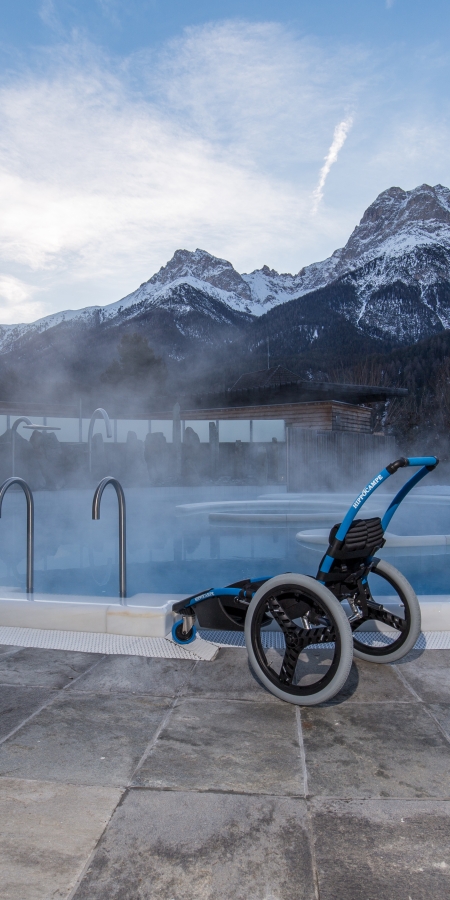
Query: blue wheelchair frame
[[427, 463], [184, 631]]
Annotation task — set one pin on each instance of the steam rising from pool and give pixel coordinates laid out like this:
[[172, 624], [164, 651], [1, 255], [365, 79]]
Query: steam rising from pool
[[180, 542]]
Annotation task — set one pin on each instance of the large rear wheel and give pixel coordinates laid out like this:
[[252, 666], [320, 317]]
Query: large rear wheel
[[397, 616], [304, 654]]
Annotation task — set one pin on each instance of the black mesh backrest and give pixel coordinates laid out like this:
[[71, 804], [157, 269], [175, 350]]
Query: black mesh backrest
[[363, 537]]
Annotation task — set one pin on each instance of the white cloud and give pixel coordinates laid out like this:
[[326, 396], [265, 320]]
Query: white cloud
[[94, 180], [107, 167], [49, 16], [339, 137], [110, 10], [260, 89], [16, 300], [101, 181]]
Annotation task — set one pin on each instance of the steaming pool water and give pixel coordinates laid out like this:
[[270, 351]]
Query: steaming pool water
[[184, 540]]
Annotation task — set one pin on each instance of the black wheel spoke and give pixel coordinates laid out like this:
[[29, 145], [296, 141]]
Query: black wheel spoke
[[323, 635], [288, 627], [296, 639], [289, 664], [305, 616], [383, 615], [401, 626]]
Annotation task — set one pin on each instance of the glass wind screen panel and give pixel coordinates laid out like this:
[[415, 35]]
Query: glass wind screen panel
[[165, 426], [68, 429], [266, 429], [3, 424], [234, 430], [139, 426], [201, 427]]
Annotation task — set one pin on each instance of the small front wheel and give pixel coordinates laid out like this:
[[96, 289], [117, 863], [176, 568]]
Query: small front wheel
[[305, 653], [179, 637]]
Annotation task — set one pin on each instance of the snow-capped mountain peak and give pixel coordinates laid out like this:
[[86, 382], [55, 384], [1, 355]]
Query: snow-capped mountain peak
[[401, 219], [200, 270], [403, 238], [398, 222]]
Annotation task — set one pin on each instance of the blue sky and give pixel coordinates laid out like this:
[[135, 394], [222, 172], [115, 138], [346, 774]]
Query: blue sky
[[259, 131]]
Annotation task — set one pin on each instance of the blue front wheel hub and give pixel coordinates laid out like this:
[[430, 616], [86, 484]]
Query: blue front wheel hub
[[179, 637]]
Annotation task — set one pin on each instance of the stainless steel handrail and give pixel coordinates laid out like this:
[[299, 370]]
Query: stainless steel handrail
[[30, 523], [100, 412], [122, 526]]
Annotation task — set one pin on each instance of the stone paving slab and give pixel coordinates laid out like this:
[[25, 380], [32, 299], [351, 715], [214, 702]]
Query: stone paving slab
[[230, 677], [428, 674], [218, 810], [162, 845], [441, 712], [375, 750], [84, 739], [371, 683], [7, 649], [227, 745], [47, 832], [46, 668], [382, 850], [138, 674], [17, 704]]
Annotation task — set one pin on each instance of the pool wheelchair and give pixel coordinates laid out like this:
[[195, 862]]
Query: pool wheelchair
[[301, 632]]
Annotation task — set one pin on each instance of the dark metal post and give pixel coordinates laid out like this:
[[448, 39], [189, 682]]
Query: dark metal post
[[122, 526], [30, 524], [176, 439], [214, 450]]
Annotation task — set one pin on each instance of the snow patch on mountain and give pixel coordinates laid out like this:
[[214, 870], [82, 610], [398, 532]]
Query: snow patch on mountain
[[396, 224], [200, 270], [403, 237], [9, 334]]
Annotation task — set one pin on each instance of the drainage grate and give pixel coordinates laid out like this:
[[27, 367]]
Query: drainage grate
[[204, 647], [88, 642], [428, 640]]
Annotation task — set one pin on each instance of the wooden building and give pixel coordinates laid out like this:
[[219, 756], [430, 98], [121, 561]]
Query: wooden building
[[326, 415]]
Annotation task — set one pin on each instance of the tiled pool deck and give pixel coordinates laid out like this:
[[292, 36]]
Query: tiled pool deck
[[124, 778]]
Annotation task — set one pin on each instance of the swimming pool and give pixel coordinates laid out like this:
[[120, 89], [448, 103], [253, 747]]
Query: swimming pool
[[183, 540]]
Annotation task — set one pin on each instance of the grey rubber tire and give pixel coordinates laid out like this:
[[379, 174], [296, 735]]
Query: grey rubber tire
[[409, 598], [330, 603]]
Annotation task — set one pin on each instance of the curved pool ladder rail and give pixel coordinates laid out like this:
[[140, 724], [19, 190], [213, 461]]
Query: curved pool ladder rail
[[97, 414], [122, 526], [30, 523]]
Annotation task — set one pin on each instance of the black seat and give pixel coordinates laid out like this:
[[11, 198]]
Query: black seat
[[363, 538]]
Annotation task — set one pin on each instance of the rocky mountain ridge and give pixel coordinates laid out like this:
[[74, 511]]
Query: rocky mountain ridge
[[390, 283]]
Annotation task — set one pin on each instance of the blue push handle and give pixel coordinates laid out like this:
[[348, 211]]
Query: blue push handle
[[427, 463]]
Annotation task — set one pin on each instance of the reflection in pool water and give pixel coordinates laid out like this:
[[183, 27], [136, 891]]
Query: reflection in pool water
[[187, 550]]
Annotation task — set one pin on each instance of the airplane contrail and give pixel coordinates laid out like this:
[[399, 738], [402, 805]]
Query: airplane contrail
[[340, 134]]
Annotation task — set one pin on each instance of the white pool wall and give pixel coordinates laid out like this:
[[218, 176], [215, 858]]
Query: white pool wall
[[146, 615]]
